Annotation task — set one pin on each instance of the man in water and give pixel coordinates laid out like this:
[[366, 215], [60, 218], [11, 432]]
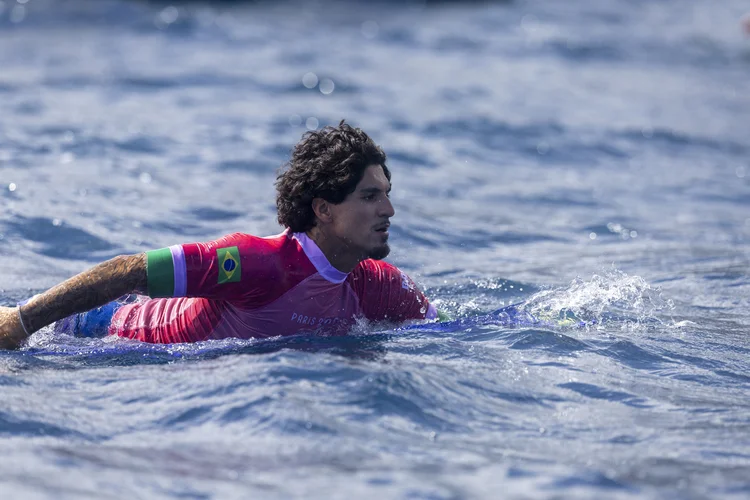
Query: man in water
[[321, 274]]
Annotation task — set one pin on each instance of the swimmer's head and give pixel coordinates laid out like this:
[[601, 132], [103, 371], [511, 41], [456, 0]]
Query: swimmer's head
[[337, 179]]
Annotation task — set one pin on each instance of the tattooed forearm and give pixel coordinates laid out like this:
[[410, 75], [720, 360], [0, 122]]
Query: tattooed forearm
[[97, 286]]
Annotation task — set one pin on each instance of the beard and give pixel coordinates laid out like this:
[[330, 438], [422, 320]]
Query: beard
[[379, 252]]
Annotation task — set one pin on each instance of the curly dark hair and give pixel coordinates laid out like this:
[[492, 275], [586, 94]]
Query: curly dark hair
[[328, 164]]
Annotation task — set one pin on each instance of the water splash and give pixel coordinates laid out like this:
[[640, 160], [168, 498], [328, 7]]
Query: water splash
[[612, 296]]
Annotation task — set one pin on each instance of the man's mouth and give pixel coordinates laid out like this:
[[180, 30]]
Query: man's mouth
[[383, 228]]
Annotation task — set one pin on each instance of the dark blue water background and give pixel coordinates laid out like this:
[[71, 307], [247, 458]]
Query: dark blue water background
[[582, 158]]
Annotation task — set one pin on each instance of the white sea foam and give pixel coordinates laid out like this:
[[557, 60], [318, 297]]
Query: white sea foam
[[607, 296]]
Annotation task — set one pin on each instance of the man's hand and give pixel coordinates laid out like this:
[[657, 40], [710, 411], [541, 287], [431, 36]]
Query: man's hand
[[11, 330]]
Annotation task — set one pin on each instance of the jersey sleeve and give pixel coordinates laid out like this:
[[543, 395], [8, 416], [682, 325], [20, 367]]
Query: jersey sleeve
[[387, 294], [230, 268]]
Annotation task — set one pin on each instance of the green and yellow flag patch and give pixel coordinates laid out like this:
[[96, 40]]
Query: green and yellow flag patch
[[230, 269]]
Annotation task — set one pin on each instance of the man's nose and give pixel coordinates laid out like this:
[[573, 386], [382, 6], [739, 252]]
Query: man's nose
[[386, 208]]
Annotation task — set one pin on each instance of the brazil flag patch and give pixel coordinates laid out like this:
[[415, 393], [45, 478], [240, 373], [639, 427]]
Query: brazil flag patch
[[230, 269]]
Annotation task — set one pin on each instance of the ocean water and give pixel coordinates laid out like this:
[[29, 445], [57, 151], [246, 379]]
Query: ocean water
[[587, 160]]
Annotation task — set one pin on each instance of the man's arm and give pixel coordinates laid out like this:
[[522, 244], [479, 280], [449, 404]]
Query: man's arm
[[93, 288]]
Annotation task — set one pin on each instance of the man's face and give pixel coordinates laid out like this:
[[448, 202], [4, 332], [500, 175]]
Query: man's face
[[361, 221]]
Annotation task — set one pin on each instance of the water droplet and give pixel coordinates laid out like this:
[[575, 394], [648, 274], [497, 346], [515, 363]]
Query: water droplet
[[145, 178], [326, 86], [310, 80], [647, 132], [12, 187], [370, 29], [312, 123], [17, 14], [57, 222], [592, 236], [67, 157], [740, 172], [295, 120], [169, 15], [542, 148], [634, 234]]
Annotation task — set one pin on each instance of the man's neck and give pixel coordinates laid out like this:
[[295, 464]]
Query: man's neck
[[336, 250]]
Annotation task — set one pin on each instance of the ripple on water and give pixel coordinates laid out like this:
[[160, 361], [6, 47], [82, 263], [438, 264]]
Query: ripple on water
[[213, 214], [631, 355], [59, 240], [675, 141], [145, 144], [553, 342], [11, 425], [254, 166], [596, 392]]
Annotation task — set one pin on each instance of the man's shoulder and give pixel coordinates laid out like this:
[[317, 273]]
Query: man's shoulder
[[254, 245], [250, 239], [377, 270], [279, 253], [373, 265], [386, 292]]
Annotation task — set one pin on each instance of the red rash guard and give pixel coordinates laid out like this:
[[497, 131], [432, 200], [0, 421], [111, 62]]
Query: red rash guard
[[245, 286]]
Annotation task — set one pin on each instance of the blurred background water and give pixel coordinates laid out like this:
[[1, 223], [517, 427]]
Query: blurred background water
[[586, 159]]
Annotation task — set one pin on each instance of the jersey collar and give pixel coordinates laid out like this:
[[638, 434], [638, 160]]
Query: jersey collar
[[318, 259]]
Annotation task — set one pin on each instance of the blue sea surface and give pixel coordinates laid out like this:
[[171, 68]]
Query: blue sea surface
[[588, 161]]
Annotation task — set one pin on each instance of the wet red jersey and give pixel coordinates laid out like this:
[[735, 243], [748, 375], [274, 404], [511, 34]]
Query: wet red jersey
[[246, 286]]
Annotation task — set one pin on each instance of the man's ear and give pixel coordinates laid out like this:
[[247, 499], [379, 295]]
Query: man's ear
[[322, 210]]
